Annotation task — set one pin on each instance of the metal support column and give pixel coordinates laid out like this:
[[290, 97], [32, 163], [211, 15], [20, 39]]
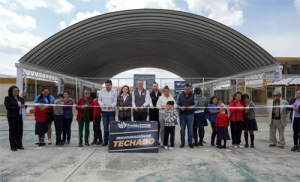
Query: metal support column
[[76, 90], [19, 78]]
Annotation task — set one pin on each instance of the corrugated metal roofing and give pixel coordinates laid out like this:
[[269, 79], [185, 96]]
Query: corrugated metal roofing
[[186, 44]]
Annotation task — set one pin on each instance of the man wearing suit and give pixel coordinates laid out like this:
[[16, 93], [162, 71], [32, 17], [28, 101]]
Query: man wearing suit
[[153, 112], [277, 120]]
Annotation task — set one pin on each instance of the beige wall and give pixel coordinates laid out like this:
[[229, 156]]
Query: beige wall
[[4, 89]]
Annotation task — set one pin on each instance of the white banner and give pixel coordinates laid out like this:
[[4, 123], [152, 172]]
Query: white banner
[[62, 86], [234, 87], [277, 75]]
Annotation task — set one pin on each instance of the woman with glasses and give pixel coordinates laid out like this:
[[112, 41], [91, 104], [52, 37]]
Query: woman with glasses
[[14, 104]]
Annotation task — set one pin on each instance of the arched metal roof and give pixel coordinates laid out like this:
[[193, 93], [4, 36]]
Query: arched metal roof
[[186, 44]]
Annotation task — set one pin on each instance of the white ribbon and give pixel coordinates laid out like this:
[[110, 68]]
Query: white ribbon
[[39, 104]]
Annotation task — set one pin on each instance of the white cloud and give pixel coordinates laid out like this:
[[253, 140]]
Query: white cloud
[[280, 45], [79, 17], [14, 45], [297, 5], [12, 20], [117, 5], [228, 12], [59, 6], [3, 1]]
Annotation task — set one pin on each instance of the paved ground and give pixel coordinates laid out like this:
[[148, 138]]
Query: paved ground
[[206, 163]]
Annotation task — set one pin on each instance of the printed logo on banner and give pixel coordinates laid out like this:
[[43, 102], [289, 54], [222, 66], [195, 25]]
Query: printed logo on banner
[[145, 125], [122, 125], [140, 137]]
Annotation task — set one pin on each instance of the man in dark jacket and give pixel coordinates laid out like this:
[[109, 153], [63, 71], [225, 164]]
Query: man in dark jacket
[[186, 102], [153, 112]]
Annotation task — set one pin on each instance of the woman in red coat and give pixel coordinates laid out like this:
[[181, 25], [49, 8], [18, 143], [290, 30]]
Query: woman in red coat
[[236, 118], [84, 107]]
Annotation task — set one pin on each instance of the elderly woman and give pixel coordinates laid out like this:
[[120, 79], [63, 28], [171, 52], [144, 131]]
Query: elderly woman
[[14, 105], [161, 105], [49, 99]]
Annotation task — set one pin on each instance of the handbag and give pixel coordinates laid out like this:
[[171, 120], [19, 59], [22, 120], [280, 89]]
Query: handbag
[[89, 117]]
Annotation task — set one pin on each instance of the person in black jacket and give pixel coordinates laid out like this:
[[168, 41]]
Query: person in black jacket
[[14, 105], [153, 112], [292, 101]]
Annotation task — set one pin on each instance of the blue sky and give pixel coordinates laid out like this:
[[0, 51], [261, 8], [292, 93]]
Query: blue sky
[[273, 24]]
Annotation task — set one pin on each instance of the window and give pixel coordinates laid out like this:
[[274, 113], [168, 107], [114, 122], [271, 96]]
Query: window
[[292, 69], [270, 91]]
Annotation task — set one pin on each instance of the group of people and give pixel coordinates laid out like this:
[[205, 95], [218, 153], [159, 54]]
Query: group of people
[[190, 109]]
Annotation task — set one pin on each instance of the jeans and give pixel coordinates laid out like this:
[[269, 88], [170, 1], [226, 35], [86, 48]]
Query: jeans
[[186, 119], [107, 116], [67, 129], [59, 124], [125, 119]]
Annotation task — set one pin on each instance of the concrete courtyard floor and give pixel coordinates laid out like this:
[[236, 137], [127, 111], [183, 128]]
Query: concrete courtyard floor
[[70, 163]]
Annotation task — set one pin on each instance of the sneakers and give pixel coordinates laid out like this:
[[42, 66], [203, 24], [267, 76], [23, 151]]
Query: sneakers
[[224, 146], [94, 142], [246, 145], [219, 146], [87, 144], [212, 144], [42, 144], [49, 141], [252, 146], [99, 143], [181, 145], [161, 144], [191, 146], [166, 147], [80, 145], [200, 144], [37, 143], [294, 148], [240, 146], [68, 142], [235, 146], [204, 142], [171, 148]]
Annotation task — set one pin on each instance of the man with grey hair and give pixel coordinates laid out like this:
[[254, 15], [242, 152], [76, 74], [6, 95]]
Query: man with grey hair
[[140, 98], [277, 120]]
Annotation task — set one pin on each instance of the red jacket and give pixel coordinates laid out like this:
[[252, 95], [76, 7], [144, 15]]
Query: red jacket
[[235, 114], [41, 116], [222, 120], [96, 110], [80, 103]]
